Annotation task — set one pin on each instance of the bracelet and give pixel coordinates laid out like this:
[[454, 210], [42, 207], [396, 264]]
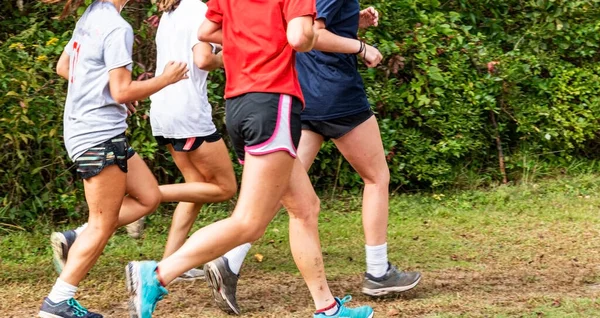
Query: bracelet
[[362, 47]]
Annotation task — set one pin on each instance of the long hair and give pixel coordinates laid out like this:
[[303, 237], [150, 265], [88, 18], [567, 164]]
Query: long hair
[[168, 5], [70, 6]]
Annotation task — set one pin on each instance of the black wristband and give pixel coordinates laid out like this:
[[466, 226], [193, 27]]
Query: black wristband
[[362, 47]]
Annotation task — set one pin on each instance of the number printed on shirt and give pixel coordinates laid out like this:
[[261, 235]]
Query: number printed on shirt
[[76, 48]]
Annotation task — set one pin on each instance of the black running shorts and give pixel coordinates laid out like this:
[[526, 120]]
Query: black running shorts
[[262, 123], [336, 128], [187, 144]]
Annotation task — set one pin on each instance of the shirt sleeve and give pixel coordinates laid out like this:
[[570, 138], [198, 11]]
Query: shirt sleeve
[[214, 12], [69, 48], [195, 22], [327, 9], [298, 8], [118, 48]]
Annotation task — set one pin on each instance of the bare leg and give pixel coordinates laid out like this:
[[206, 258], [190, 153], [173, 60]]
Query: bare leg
[[211, 160], [264, 180], [142, 189], [206, 168], [368, 159], [303, 206], [104, 194]]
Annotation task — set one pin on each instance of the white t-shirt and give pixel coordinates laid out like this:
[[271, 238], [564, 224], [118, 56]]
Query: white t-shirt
[[102, 41], [181, 110]]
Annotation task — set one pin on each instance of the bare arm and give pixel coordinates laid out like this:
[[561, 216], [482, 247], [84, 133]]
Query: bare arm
[[329, 42], [205, 59], [123, 89], [62, 67], [210, 32], [301, 33]]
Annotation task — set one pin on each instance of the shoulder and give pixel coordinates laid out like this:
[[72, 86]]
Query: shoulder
[[193, 6]]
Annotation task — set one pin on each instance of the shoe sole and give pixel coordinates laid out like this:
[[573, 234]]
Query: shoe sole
[[135, 230], [131, 281], [57, 242], [388, 290], [187, 280], [42, 314], [215, 282]]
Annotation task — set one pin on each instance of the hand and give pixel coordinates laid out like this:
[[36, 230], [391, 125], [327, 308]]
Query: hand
[[368, 17], [371, 56], [131, 107], [175, 71]]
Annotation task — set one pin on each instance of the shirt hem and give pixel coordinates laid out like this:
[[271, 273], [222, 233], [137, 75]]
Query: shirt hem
[[336, 115]]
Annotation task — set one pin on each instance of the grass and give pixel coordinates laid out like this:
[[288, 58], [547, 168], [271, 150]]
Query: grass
[[530, 250]]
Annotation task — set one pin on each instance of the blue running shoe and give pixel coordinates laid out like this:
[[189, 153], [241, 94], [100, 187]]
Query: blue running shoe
[[65, 309], [61, 242], [144, 288], [345, 312]]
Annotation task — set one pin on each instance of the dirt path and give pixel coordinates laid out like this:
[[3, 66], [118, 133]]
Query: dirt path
[[473, 293]]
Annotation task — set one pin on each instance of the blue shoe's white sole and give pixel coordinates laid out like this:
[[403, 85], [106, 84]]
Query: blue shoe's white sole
[[132, 281]]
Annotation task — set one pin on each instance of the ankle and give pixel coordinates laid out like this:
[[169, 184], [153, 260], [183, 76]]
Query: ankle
[[329, 310]]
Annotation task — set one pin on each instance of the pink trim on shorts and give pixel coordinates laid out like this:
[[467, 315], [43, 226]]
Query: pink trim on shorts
[[189, 143], [247, 148], [257, 153]]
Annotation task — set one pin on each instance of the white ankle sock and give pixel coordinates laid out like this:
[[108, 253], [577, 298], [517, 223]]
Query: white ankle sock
[[236, 257], [62, 291], [80, 229], [377, 260]]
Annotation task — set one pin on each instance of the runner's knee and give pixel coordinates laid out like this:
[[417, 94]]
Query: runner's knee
[[250, 230], [380, 178], [307, 211], [150, 200]]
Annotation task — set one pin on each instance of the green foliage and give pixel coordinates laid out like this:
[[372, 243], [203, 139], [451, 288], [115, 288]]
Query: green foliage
[[457, 76]]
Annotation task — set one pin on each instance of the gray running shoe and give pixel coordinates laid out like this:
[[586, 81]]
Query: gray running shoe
[[190, 276], [393, 281], [66, 309], [223, 284], [136, 229], [61, 242]]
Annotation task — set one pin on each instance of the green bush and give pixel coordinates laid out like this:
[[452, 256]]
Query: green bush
[[457, 76]]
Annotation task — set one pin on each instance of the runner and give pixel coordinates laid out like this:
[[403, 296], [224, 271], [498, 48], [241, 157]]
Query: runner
[[337, 108], [97, 64], [263, 107], [182, 121]]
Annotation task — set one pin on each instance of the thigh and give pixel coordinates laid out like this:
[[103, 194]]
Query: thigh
[[212, 161], [104, 194], [185, 165], [310, 144], [141, 183], [363, 149]]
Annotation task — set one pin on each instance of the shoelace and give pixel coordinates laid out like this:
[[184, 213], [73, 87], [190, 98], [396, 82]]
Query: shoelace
[[344, 300], [78, 310]]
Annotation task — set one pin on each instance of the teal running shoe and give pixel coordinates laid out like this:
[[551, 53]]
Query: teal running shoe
[[144, 288], [65, 309], [345, 312]]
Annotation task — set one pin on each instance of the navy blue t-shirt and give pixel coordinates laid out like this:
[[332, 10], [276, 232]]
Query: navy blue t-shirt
[[330, 82]]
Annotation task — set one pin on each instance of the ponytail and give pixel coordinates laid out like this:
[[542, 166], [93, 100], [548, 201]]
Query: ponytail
[[70, 6], [168, 5]]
